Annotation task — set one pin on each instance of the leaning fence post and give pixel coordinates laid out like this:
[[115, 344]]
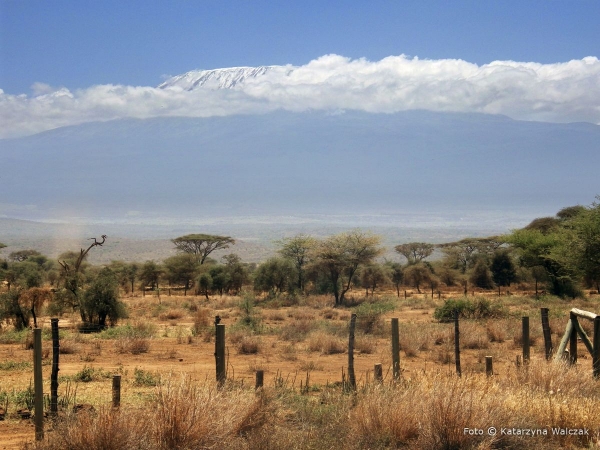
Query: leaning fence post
[[55, 369], [116, 391], [395, 349], [596, 347], [547, 334], [525, 334], [220, 353], [38, 384], [457, 343]]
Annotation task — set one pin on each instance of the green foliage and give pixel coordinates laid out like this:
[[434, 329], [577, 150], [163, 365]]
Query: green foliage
[[503, 268], [88, 374], [181, 269], [481, 276], [480, 308], [248, 318], [415, 252], [276, 275], [101, 300], [145, 378], [14, 336], [298, 250], [138, 330], [201, 245], [12, 308], [14, 365], [340, 257], [369, 315]]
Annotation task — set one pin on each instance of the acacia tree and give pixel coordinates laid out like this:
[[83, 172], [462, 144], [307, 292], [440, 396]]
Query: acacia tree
[[340, 256], [396, 274], [298, 250], [202, 245], [417, 275], [415, 252], [372, 276], [101, 300], [579, 248], [181, 269], [274, 276], [503, 269]]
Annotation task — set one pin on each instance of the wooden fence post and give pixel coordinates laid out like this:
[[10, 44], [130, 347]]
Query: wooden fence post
[[573, 339], [55, 369], [260, 377], [220, 353], [547, 334], [457, 343], [116, 391], [378, 373], [351, 376], [596, 347], [38, 384], [395, 349], [489, 366], [525, 334]]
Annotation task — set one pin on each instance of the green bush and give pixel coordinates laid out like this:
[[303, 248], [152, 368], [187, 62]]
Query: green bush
[[480, 308]]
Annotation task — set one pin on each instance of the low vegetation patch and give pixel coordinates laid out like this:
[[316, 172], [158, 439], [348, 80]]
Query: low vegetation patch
[[480, 308]]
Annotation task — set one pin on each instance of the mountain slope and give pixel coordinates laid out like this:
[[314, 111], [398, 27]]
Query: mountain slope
[[310, 162]]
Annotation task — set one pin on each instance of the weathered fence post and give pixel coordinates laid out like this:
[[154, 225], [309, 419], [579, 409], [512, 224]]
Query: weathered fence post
[[547, 334], [220, 353], [116, 391], [525, 334], [260, 377], [378, 373], [489, 366], [38, 384], [596, 347], [573, 339], [395, 349], [351, 376], [55, 369], [457, 343]]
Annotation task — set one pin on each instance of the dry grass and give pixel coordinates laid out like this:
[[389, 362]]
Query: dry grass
[[429, 411], [496, 331], [249, 345], [171, 314], [134, 345], [327, 344]]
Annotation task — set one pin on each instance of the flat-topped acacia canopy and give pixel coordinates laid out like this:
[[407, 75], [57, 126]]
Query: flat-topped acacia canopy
[[202, 245]]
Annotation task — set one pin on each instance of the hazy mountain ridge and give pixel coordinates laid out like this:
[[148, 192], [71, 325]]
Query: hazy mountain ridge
[[300, 163]]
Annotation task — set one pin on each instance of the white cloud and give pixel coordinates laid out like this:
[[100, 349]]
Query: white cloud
[[561, 92]]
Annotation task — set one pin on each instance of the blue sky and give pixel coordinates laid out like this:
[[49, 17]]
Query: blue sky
[[68, 62], [77, 44]]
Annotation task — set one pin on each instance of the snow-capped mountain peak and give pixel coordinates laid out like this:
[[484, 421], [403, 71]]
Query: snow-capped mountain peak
[[219, 78]]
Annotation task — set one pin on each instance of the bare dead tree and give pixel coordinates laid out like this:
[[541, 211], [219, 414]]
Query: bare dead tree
[[72, 273]]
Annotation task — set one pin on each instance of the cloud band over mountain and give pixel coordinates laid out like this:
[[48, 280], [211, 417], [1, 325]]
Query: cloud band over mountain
[[559, 92]]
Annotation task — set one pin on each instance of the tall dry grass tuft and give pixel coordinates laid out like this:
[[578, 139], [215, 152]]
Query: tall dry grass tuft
[[451, 404], [106, 429], [385, 417], [190, 416]]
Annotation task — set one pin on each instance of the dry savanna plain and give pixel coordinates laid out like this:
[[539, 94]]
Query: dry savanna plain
[[165, 353]]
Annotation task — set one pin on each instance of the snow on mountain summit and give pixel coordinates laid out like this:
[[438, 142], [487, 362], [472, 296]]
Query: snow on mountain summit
[[220, 78]]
